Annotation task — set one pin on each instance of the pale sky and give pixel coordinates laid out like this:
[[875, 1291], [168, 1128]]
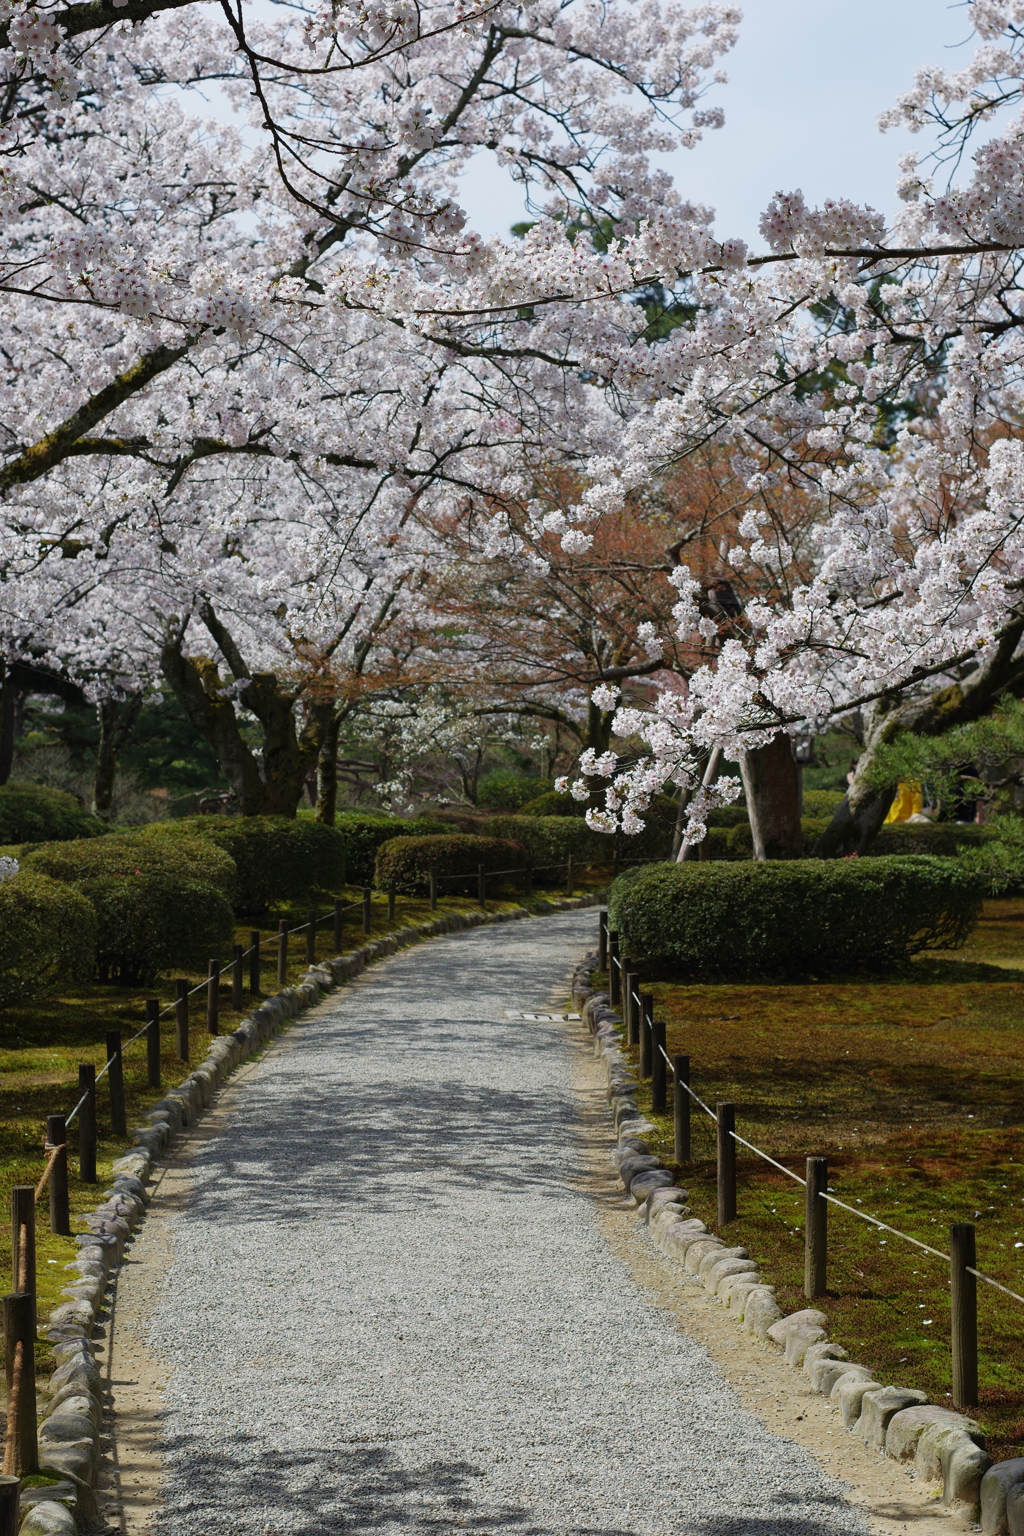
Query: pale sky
[[807, 81]]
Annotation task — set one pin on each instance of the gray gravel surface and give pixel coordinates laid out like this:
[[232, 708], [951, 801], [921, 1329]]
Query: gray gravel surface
[[390, 1311]]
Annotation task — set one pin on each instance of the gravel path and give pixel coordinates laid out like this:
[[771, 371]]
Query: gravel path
[[392, 1311]]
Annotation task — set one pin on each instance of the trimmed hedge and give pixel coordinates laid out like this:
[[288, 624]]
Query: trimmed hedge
[[750, 920], [822, 802], [47, 936], [728, 816], [551, 839], [278, 859], [943, 839], [364, 832], [406, 862], [153, 909], [33, 813], [505, 790]]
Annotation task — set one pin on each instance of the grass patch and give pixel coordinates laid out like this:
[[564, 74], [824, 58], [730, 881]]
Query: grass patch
[[42, 1044], [913, 1087]]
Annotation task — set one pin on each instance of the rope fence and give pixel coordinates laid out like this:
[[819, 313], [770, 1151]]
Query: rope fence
[[642, 1030]]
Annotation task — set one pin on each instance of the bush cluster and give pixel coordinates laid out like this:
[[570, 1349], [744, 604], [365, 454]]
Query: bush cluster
[[47, 936], [157, 904], [406, 862], [803, 916], [551, 839], [505, 790], [277, 859], [33, 813], [363, 833]]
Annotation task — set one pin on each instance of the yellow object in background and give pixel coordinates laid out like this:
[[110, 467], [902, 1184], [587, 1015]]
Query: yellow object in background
[[906, 804]]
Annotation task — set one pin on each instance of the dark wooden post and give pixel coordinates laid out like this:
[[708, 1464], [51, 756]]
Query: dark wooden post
[[630, 988], [816, 1228], [60, 1210], [602, 940], [153, 1041], [481, 886], [237, 978], [646, 1038], [571, 877], [433, 890], [10, 1499], [659, 1068], [338, 919], [528, 882], [681, 1107], [181, 1017], [282, 952], [87, 1123], [391, 903], [23, 1241], [311, 936], [213, 997], [255, 989], [115, 1077], [614, 974], [19, 1328], [964, 1309], [367, 912], [726, 1114]]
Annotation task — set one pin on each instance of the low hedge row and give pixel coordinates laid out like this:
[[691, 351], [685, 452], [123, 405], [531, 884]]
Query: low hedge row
[[277, 859], [407, 862], [47, 936], [751, 921], [33, 813], [362, 833], [551, 839]]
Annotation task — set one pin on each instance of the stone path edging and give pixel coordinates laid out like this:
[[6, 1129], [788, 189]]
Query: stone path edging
[[69, 1434], [943, 1445]]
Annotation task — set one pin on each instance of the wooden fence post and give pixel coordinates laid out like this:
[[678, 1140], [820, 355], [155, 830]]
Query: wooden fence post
[[282, 952], [10, 1500], [646, 1036], [659, 1066], [213, 997], [339, 917], [816, 1228], [23, 1241], [602, 940], [87, 1123], [310, 935], [60, 1210], [391, 903], [481, 886], [631, 986], [181, 1017], [964, 1310], [571, 877], [433, 890], [726, 1114], [19, 1329], [255, 989], [528, 882], [681, 1108], [153, 1041], [367, 911], [614, 974], [237, 978], [115, 1077]]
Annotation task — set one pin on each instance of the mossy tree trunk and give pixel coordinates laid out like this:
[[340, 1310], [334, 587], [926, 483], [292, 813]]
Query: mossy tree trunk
[[771, 783]]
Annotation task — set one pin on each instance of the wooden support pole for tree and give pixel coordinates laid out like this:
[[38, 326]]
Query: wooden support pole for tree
[[964, 1310], [237, 978], [659, 1068], [602, 940], [21, 1452], [726, 1114], [23, 1240], [153, 1042], [181, 1017], [60, 1208], [10, 1500], [311, 936], [367, 910], [282, 952], [255, 984], [646, 1036], [115, 1077], [213, 997], [816, 1227], [87, 1123], [681, 1108], [614, 972], [433, 890]]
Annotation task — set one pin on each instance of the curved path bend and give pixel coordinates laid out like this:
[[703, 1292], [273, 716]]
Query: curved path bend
[[389, 1307]]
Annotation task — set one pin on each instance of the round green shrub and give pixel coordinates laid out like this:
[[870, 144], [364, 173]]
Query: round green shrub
[[745, 921], [943, 839], [407, 862], [822, 802], [506, 790], [277, 859], [551, 839], [364, 832], [728, 816], [154, 910], [33, 813], [47, 936]]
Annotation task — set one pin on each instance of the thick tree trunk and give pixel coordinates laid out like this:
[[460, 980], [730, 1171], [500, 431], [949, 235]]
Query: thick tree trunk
[[771, 782], [8, 715], [857, 822], [327, 774]]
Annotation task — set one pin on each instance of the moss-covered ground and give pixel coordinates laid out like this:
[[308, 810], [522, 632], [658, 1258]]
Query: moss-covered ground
[[913, 1087]]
